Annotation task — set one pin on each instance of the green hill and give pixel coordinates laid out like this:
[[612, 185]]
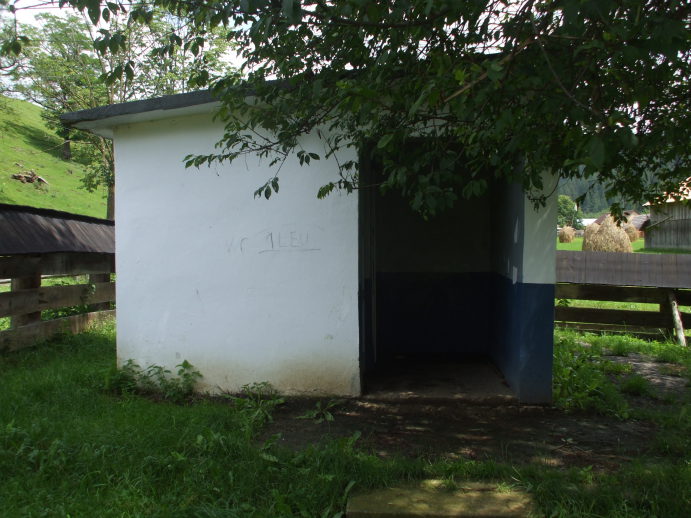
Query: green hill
[[26, 144]]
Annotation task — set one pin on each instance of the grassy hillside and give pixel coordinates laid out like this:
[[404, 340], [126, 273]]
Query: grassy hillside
[[26, 144]]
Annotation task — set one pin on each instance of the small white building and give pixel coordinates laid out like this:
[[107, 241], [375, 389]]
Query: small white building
[[312, 295]]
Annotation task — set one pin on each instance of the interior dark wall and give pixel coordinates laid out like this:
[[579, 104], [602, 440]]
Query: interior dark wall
[[432, 278]]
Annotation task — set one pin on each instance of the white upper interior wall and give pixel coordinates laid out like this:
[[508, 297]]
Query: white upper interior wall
[[540, 235], [525, 236], [245, 289]]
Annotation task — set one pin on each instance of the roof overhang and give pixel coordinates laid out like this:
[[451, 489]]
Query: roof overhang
[[104, 119]]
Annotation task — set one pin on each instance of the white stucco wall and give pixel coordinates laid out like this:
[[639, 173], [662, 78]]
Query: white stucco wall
[[539, 238], [526, 252], [245, 289]]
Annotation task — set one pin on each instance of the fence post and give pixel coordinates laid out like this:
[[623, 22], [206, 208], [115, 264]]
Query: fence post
[[26, 283], [676, 318], [96, 278]]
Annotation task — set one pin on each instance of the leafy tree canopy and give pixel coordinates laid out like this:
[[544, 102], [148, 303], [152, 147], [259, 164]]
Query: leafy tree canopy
[[451, 93], [568, 213]]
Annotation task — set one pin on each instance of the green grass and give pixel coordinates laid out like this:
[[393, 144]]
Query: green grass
[[638, 246], [577, 245], [71, 445], [25, 140]]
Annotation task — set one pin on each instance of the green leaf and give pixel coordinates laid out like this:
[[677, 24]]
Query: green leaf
[[596, 151], [384, 141], [325, 190], [94, 11], [428, 7]]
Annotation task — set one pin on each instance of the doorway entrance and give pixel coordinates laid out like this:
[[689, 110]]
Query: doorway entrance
[[425, 296]]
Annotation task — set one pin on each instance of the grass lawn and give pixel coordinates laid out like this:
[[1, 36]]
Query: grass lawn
[[27, 144], [577, 245], [76, 441], [638, 246]]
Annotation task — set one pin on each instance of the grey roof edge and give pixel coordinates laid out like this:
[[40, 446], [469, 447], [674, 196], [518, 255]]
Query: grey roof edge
[[166, 102], [52, 213]]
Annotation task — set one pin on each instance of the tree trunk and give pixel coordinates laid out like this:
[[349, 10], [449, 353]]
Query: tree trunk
[[66, 150], [110, 211]]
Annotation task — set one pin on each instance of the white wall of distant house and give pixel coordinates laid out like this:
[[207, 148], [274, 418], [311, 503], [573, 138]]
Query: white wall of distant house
[[245, 289]]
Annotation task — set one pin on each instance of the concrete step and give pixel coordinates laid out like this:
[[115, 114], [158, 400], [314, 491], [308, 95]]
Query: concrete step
[[432, 499]]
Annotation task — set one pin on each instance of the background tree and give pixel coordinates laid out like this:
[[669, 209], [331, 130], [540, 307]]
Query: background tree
[[487, 89], [61, 70], [568, 213]]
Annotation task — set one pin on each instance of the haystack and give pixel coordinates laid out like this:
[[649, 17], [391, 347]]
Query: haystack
[[610, 237], [631, 231], [566, 234], [588, 233]]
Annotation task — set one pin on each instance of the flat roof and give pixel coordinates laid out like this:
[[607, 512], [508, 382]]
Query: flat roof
[[101, 120]]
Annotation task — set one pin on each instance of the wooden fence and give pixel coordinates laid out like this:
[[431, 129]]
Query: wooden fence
[[27, 298], [664, 280]]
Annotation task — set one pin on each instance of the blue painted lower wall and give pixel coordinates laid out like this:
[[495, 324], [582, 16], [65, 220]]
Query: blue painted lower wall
[[470, 314], [523, 337], [433, 313]]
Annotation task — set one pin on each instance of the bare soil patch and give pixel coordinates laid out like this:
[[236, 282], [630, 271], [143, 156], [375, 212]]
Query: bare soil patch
[[519, 434]]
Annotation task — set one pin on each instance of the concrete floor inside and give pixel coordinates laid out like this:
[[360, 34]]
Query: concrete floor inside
[[475, 380]]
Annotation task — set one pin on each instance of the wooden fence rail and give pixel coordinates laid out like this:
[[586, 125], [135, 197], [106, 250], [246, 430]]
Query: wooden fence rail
[[27, 298], [646, 278]]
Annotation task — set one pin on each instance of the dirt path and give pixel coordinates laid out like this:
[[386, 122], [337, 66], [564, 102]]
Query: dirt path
[[519, 434], [510, 433]]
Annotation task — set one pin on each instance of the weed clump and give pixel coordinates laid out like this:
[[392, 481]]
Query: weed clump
[[256, 403], [567, 234], [636, 385], [579, 382], [153, 381], [608, 237]]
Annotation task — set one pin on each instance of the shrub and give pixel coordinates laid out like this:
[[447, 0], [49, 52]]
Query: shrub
[[609, 237], [154, 380], [567, 234]]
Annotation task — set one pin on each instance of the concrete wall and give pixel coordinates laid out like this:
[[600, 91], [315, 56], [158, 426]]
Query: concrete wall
[[245, 289], [523, 313]]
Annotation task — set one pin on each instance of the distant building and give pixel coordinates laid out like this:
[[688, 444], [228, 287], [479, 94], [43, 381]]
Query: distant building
[[670, 222]]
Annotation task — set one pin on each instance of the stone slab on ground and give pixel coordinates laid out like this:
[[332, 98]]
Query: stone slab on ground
[[431, 499]]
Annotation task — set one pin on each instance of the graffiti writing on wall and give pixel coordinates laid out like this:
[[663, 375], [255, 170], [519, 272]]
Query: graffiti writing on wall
[[288, 238]]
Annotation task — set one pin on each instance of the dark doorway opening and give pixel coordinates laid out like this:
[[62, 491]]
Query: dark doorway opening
[[425, 297]]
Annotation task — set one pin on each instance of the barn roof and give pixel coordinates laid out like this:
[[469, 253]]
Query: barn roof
[[30, 230], [640, 221], [627, 213]]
